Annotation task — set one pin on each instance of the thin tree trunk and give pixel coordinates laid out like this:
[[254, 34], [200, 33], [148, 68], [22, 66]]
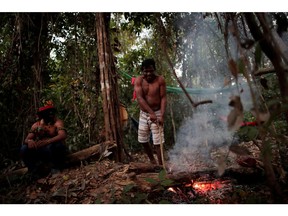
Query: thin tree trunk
[[109, 85], [265, 40]]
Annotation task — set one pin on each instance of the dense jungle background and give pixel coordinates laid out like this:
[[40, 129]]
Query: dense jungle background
[[85, 63]]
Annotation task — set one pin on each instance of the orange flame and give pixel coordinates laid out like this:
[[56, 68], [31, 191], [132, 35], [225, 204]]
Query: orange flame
[[202, 186], [206, 186]]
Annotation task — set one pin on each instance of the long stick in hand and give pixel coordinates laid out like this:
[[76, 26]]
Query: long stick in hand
[[161, 145]]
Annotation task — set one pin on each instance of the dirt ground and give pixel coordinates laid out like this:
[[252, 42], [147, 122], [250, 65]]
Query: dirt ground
[[107, 182]]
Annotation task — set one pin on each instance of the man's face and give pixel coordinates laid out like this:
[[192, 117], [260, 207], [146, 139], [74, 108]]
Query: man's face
[[48, 115], [149, 73]]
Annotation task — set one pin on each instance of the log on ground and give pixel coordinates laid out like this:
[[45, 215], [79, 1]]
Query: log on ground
[[93, 151]]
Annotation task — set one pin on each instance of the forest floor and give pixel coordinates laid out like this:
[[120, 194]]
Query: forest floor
[[107, 182]]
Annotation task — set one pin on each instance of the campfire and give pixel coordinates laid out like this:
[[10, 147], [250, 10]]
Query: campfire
[[209, 185], [204, 186], [211, 189]]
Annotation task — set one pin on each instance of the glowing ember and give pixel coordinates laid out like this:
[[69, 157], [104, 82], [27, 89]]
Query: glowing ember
[[207, 186], [200, 186]]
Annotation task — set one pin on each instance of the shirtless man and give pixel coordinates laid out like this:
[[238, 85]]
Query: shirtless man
[[151, 96], [45, 141]]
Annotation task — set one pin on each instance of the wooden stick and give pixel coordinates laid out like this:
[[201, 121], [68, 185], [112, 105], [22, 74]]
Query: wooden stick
[[161, 146]]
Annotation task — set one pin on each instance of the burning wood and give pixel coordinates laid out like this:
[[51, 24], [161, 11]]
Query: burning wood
[[189, 192], [210, 185], [204, 186]]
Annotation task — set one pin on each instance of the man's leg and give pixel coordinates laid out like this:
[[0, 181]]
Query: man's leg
[[158, 153], [149, 152], [144, 134], [54, 154], [29, 157]]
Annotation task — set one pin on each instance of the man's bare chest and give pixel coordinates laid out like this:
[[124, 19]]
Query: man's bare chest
[[150, 88], [45, 130]]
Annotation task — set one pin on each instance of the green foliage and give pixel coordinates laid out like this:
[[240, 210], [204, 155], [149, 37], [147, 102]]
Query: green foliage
[[248, 133], [130, 195], [162, 182], [54, 56]]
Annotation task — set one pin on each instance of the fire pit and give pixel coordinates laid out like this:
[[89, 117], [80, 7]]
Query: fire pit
[[211, 190]]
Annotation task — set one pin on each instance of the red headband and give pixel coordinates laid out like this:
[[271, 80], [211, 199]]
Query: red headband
[[46, 108]]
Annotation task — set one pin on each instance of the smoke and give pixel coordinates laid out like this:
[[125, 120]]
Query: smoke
[[196, 139], [206, 132]]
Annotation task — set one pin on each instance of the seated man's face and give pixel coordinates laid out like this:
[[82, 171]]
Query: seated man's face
[[47, 116]]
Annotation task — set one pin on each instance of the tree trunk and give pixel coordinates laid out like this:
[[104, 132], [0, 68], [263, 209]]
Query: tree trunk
[[272, 50], [270, 47], [109, 85]]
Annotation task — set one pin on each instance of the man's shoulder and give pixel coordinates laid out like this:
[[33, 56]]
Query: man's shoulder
[[35, 124], [139, 79], [59, 122], [160, 79]]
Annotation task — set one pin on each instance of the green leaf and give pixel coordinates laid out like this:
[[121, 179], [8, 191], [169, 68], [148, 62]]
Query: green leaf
[[140, 197], [167, 182], [127, 188], [152, 181], [162, 175], [252, 132]]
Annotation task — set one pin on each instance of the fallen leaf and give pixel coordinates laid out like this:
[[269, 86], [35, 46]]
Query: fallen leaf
[[61, 192], [246, 162], [33, 195], [235, 119], [65, 177], [236, 116], [227, 81], [262, 116]]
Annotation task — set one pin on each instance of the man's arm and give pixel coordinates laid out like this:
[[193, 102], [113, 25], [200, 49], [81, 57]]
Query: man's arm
[[29, 137], [62, 134], [29, 140], [140, 98]]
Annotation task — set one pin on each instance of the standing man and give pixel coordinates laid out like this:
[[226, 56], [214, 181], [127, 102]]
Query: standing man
[[151, 96], [45, 141]]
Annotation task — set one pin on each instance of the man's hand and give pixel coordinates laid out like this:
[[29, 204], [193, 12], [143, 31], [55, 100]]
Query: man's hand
[[32, 144], [153, 117], [161, 120], [43, 142]]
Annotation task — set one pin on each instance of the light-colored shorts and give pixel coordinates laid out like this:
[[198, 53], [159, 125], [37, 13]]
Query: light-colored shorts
[[146, 126]]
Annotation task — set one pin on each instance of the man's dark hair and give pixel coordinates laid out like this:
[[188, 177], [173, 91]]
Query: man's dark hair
[[45, 113], [147, 63]]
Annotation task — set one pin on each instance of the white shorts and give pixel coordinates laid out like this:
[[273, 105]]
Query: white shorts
[[146, 126]]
